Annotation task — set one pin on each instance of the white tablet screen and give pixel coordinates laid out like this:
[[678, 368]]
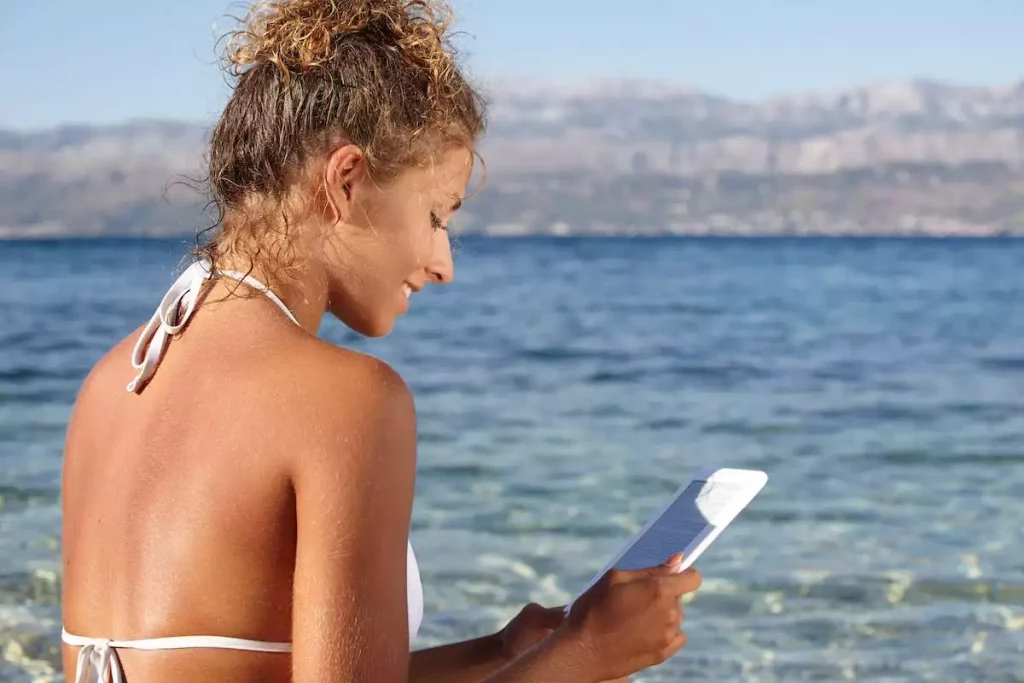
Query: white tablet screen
[[683, 525]]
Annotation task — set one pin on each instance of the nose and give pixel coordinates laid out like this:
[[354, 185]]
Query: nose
[[441, 269]]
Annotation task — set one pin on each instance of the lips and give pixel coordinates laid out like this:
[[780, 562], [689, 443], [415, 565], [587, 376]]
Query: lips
[[407, 290]]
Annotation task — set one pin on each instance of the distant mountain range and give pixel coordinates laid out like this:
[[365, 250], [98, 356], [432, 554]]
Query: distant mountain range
[[611, 157]]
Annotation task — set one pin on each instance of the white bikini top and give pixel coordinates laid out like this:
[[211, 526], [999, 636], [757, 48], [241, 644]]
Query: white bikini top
[[97, 659]]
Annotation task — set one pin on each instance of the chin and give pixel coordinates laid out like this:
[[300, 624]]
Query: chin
[[382, 329], [367, 325]]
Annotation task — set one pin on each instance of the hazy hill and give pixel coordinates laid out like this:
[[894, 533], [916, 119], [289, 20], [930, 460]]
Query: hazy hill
[[627, 156]]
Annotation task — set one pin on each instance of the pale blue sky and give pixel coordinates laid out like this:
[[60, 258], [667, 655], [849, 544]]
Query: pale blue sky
[[107, 61]]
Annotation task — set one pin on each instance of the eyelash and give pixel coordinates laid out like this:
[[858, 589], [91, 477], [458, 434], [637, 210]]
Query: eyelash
[[436, 223]]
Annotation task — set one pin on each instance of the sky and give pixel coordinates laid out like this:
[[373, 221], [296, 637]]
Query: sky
[[107, 61]]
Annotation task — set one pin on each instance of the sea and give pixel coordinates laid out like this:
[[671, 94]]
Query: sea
[[567, 386]]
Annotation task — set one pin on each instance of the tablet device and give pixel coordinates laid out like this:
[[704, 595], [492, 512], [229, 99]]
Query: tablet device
[[693, 518]]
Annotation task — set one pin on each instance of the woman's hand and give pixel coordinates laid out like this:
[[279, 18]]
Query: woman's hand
[[631, 620], [627, 621], [531, 626]]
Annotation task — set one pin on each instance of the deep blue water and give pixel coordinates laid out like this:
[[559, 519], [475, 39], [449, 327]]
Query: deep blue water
[[566, 386]]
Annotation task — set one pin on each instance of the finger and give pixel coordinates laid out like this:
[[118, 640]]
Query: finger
[[667, 568], [674, 646], [672, 562], [681, 582]]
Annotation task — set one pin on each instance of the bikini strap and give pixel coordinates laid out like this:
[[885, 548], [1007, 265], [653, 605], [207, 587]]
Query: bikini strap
[[97, 658], [173, 313]]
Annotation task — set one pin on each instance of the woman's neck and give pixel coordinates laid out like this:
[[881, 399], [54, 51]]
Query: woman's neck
[[305, 296]]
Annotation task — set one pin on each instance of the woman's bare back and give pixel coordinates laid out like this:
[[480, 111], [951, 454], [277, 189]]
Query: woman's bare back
[[178, 505]]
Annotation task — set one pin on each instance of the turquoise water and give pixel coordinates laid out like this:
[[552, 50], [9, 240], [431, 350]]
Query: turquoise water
[[565, 387]]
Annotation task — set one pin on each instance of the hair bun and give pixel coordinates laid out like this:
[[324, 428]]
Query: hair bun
[[297, 35]]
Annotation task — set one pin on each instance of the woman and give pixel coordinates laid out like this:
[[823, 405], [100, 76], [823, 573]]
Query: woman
[[244, 507]]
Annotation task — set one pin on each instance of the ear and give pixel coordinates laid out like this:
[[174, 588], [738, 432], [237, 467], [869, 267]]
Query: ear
[[344, 173]]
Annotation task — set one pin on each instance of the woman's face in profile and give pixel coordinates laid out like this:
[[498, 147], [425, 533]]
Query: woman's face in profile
[[393, 241]]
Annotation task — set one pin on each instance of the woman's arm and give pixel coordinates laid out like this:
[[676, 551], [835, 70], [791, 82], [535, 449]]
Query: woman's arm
[[470, 661], [353, 474], [562, 657], [473, 661]]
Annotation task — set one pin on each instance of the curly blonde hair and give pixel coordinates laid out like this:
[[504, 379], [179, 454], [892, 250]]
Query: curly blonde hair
[[308, 74]]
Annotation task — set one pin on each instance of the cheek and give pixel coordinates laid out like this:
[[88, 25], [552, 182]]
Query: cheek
[[428, 247], [418, 244], [403, 240], [402, 252], [397, 235]]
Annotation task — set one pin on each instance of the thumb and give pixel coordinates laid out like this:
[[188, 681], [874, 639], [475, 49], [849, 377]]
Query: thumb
[[668, 567]]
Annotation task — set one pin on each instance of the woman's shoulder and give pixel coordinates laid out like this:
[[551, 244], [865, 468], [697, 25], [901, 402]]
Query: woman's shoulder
[[332, 375], [302, 390], [340, 399]]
